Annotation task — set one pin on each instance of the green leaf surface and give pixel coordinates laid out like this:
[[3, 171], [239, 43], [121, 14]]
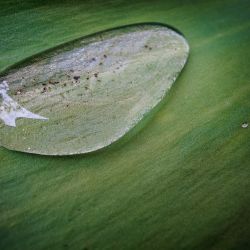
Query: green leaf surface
[[180, 180]]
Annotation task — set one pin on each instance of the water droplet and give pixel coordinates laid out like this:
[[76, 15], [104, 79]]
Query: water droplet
[[98, 113], [244, 125]]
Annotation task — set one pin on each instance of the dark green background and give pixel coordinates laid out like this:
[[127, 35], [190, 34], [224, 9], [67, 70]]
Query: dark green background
[[180, 180]]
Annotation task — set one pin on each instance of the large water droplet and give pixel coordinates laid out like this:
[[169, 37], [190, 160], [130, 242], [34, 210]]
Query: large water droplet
[[93, 90]]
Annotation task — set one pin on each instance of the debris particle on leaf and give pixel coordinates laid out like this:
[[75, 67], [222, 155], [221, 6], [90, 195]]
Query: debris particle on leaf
[[76, 78], [44, 90], [53, 82]]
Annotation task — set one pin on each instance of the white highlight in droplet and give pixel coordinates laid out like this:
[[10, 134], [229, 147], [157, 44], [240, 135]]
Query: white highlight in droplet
[[10, 110]]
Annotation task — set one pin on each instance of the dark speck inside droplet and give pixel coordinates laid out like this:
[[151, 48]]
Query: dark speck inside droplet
[[76, 78]]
